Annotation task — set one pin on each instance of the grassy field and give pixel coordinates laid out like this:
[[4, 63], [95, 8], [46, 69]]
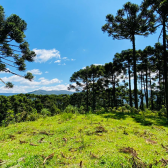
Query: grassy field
[[76, 140]]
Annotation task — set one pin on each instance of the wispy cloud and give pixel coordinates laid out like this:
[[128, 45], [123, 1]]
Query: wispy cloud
[[44, 55], [97, 64], [25, 82], [58, 61], [46, 71], [35, 71]]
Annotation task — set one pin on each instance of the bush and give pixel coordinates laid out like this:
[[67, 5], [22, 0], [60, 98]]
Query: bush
[[21, 116], [162, 111], [71, 109], [101, 110], [114, 109], [54, 110], [81, 110], [134, 110], [45, 112], [10, 118], [66, 116], [33, 116], [110, 109]]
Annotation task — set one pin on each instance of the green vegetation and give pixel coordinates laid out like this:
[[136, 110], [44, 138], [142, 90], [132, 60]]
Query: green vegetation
[[113, 139], [95, 127]]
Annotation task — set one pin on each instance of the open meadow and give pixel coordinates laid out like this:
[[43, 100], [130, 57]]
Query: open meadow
[[117, 140]]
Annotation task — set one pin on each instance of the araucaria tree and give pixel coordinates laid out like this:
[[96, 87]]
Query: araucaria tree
[[160, 8], [125, 25], [81, 80], [14, 50]]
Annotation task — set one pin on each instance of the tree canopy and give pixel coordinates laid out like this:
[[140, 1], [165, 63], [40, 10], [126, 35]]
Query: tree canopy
[[14, 49]]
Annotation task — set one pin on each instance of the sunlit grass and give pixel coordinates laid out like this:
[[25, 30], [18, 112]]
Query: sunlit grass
[[84, 140]]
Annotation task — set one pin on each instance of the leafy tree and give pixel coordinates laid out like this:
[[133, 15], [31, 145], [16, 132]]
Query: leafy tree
[[11, 54], [125, 25]]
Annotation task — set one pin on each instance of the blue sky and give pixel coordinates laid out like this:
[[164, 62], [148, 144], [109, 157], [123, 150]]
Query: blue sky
[[66, 36]]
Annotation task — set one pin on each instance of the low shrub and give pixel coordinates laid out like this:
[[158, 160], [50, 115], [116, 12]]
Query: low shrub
[[45, 112], [20, 117], [71, 109], [10, 118], [162, 111], [66, 116], [101, 110], [81, 110], [33, 116], [54, 110]]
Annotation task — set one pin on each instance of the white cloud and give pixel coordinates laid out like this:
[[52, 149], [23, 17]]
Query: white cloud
[[35, 71], [57, 87], [97, 64], [64, 58], [72, 59], [58, 61], [44, 81], [18, 89], [46, 71], [45, 55], [25, 82]]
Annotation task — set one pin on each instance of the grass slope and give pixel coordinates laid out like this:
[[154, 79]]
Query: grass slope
[[71, 140]]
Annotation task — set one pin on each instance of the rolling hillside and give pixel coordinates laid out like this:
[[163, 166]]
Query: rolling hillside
[[42, 92]]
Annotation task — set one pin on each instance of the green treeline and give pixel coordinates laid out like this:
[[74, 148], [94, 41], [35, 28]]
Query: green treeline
[[28, 107], [111, 85]]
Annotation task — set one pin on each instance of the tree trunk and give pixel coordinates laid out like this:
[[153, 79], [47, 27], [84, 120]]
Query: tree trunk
[[142, 108], [151, 94], [135, 75], [87, 94], [114, 98], [165, 63], [93, 90], [130, 96], [146, 86]]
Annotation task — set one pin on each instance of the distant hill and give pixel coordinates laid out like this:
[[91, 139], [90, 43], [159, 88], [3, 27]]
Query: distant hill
[[56, 92], [8, 94], [42, 92]]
